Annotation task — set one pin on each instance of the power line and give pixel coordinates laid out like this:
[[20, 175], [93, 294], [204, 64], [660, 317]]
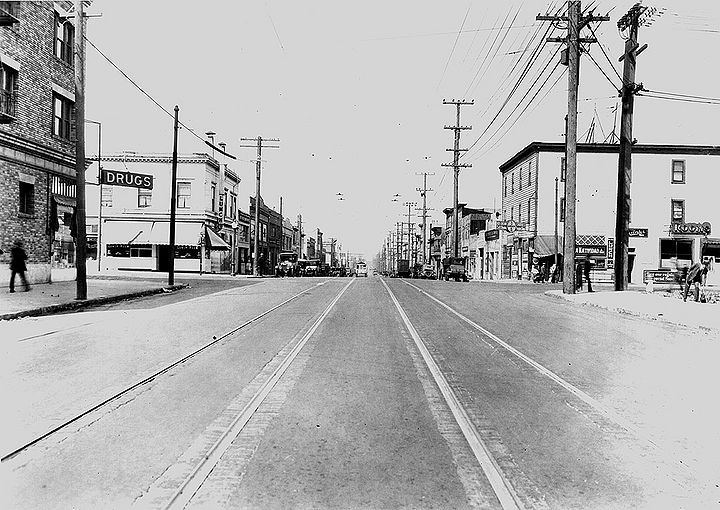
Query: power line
[[681, 95], [602, 70], [172, 115], [681, 99], [454, 45]]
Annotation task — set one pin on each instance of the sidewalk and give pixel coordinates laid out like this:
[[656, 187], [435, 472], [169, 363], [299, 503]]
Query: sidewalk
[[49, 298], [661, 305]]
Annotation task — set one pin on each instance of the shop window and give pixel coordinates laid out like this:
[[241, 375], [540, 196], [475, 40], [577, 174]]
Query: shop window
[[27, 198], [62, 112], [144, 250], [64, 39], [675, 253], [183, 195], [678, 211], [144, 197], [187, 252], [678, 172], [512, 183], [118, 250]]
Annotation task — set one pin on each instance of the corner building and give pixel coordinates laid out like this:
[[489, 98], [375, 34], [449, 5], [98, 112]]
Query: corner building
[[674, 214]]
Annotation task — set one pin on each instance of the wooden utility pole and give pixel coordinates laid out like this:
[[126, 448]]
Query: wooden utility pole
[[80, 228], [456, 169], [409, 232], [631, 22], [423, 193], [173, 204], [258, 166], [300, 237], [574, 22]]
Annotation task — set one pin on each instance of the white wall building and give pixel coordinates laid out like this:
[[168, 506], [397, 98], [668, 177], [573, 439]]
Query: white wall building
[[135, 222], [674, 195]]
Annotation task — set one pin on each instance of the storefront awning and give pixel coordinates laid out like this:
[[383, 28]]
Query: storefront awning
[[545, 245], [186, 234], [214, 241], [120, 232]]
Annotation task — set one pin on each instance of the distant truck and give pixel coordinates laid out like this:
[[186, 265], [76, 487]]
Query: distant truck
[[403, 268], [287, 264], [361, 269], [454, 267]]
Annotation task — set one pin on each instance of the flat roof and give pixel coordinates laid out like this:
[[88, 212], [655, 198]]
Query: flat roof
[[610, 148]]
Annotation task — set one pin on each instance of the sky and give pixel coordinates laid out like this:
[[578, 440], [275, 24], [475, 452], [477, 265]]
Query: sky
[[354, 92]]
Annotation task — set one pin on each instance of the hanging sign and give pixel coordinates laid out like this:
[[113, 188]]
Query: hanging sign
[[637, 232], [116, 178], [691, 228]]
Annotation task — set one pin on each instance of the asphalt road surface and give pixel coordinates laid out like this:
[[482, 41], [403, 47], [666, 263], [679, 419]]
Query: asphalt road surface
[[358, 393]]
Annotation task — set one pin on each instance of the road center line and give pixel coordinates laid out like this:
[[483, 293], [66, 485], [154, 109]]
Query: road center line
[[503, 489]]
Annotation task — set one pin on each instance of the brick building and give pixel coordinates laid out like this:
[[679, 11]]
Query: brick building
[[37, 134]]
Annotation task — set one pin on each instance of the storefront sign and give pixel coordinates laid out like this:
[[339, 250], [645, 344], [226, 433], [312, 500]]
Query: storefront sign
[[599, 251], [659, 276], [512, 226], [116, 178], [637, 232], [691, 228], [491, 235]]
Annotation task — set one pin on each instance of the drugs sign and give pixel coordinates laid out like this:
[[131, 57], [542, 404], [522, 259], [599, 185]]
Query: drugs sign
[[116, 178]]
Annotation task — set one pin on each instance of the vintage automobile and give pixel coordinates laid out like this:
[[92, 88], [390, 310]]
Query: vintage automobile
[[454, 267], [309, 267], [361, 269], [287, 264], [428, 272]]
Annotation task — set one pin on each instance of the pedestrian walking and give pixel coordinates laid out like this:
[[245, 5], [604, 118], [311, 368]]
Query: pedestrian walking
[[587, 265], [696, 277], [553, 273], [17, 265]]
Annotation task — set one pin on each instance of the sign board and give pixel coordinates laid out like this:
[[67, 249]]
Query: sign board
[[611, 253], [599, 251], [691, 228], [637, 232], [512, 226], [659, 276], [117, 178], [491, 235]]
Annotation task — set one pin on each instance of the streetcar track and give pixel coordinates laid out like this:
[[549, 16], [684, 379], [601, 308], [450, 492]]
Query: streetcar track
[[148, 379], [501, 485], [190, 485], [669, 453]]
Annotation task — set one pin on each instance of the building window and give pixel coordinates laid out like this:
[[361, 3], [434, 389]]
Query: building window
[[118, 250], [678, 171], [678, 211], [530, 174], [675, 253], [183, 195], [225, 204], [519, 178], [64, 39], [529, 200], [27, 198], [233, 206], [512, 213], [144, 197], [512, 183], [8, 83], [107, 196], [563, 169], [62, 112], [504, 185], [213, 191], [562, 209]]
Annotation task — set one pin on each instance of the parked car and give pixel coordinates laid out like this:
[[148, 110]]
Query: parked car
[[287, 264], [428, 272]]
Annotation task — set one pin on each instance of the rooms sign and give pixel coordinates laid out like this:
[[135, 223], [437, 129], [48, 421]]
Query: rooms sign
[[117, 178]]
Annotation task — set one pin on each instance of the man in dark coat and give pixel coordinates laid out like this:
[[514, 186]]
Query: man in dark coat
[[17, 265], [695, 276]]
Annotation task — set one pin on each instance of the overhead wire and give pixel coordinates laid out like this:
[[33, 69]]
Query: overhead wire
[[144, 92], [454, 45], [486, 55]]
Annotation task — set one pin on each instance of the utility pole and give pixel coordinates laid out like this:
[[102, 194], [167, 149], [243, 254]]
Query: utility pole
[[409, 232], [258, 166], [423, 193], [300, 237], [556, 222], [575, 21], [630, 21], [456, 169], [80, 228], [173, 200]]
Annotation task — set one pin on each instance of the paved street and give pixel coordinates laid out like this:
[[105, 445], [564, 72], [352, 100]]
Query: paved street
[[358, 393]]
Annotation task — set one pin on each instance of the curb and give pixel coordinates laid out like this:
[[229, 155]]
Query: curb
[[77, 305]]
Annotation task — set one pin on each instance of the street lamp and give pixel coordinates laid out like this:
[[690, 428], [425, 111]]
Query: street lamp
[[98, 249]]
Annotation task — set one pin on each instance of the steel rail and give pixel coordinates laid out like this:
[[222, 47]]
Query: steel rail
[[151, 377], [504, 491], [669, 453], [184, 494]]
